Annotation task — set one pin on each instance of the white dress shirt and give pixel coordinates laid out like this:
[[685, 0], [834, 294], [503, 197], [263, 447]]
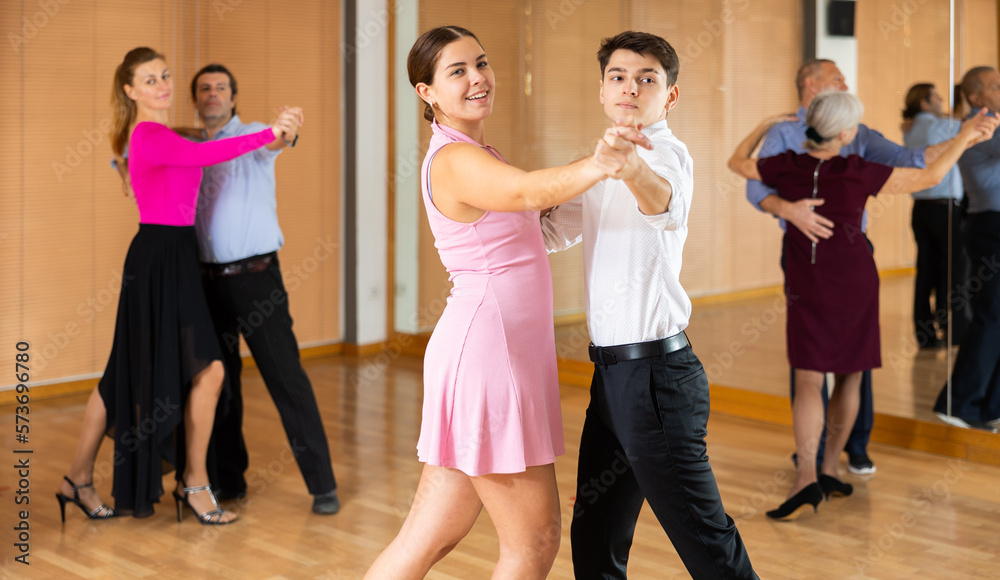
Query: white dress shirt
[[631, 261]]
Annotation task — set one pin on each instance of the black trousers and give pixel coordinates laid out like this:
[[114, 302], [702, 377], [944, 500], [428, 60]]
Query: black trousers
[[256, 306], [975, 380], [930, 220], [644, 437], [857, 442]]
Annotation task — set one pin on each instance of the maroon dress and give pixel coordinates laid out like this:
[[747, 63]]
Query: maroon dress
[[832, 288]]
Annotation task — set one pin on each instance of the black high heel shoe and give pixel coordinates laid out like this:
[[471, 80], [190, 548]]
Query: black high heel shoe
[[209, 518], [101, 512], [833, 486], [809, 495]]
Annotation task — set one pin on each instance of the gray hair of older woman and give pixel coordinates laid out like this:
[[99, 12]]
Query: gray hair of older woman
[[830, 114]]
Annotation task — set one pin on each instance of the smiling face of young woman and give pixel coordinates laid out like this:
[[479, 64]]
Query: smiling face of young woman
[[462, 91]]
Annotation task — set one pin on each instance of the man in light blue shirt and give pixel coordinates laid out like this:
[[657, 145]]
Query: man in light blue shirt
[[238, 237], [975, 380], [936, 221], [814, 77]]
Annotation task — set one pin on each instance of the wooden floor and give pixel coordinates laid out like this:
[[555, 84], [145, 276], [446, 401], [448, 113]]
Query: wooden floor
[[742, 345], [922, 516]]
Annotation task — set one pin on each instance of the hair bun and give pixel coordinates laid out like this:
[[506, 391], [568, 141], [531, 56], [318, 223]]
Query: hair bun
[[814, 135]]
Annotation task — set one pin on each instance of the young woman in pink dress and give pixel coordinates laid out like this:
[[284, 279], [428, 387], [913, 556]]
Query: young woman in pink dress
[[832, 286], [164, 376], [491, 426]]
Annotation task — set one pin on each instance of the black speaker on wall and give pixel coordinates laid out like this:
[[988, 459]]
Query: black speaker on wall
[[840, 18]]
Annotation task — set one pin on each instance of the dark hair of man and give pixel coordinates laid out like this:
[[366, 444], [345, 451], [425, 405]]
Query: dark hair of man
[[426, 52], [809, 69], [213, 68], [918, 93], [972, 82], [645, 44]]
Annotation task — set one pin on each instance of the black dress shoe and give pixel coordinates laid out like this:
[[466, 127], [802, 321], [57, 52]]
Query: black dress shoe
[[833, 486], [326, 504], [809, 495]]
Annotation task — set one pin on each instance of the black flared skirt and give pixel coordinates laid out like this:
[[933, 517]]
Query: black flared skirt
[[163, 339]]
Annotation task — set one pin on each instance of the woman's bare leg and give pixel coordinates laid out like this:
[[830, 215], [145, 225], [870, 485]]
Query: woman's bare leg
[[199, 417], [95, 422], [807, 423], [524, 508], [444, 509], [842, 413]]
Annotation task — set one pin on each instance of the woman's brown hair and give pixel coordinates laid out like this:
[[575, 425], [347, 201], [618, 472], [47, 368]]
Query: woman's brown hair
[[426, 52], [123, 109], [918, 93]]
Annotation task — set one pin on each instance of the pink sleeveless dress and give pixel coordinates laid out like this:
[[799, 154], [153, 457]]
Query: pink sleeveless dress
[[491, 392]]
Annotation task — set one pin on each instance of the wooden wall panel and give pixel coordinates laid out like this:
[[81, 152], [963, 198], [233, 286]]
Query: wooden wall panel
[[976, 41]]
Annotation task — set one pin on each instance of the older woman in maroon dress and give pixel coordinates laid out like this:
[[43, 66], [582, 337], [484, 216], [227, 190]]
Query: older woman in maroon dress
[[832, 286]]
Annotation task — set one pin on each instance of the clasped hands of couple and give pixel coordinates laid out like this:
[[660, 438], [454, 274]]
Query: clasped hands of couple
[[286, 126], [615, 153]]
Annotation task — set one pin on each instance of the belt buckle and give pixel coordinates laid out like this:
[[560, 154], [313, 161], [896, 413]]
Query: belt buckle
[[603, 355]]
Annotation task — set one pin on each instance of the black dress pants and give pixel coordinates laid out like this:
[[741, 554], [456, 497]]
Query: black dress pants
[[930, 221], [975, 380], [644, 437], [256, 306]]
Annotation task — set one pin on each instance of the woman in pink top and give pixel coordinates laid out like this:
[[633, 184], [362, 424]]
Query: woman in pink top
[[491, 426], [165, 367]]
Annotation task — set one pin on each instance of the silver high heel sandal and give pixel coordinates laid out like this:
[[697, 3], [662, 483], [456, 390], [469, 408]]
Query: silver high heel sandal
[[209, 518]]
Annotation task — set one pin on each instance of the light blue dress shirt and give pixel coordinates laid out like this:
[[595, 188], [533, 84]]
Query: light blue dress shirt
[[869, 144], [980, 167], [237, 210], [929, 129]]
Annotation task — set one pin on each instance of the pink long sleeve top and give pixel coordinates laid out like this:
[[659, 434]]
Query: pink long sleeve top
[[166, 171]]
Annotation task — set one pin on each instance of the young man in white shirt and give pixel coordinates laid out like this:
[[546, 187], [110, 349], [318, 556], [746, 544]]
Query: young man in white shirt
[[644, 435]]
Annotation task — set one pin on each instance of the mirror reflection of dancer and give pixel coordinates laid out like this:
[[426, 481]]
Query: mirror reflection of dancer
[[649, 400], [814, 77], [936, 220], [975, 380], [832, 325], [165, 366], [492, 425]]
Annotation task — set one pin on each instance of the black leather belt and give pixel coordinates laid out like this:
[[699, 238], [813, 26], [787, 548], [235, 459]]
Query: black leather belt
[[609, 355], [248, 266]]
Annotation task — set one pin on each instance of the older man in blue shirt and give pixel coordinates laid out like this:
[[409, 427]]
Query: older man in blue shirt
[[238, 237], [816, 76], [975, 380]]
